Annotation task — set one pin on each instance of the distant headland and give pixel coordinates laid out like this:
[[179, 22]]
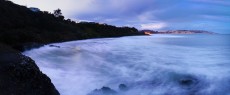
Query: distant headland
[[177, 32]]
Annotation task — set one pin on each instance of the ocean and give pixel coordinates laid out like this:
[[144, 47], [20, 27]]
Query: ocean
[[148, 65]]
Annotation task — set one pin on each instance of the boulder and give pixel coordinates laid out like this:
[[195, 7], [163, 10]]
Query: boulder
[[19, 75]]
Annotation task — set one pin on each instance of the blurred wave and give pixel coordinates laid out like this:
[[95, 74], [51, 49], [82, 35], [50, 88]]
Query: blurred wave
[[148, 65]]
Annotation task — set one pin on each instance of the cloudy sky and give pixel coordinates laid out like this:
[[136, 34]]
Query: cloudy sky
[[210, 15]]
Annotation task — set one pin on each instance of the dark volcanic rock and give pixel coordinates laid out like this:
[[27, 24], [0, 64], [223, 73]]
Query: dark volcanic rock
[[19, 75]]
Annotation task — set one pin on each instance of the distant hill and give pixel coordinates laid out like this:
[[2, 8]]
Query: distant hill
[[177, 32], [21, 26]]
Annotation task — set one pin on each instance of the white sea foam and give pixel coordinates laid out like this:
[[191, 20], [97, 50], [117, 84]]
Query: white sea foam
[[142, 63]]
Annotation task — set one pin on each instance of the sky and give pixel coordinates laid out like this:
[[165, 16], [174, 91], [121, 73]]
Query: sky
[[209, 15]]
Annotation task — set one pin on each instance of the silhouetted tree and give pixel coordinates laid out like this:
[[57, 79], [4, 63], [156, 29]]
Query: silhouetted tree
[[57, 13]]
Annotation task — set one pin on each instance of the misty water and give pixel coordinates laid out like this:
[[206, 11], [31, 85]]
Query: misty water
[[147, 65]]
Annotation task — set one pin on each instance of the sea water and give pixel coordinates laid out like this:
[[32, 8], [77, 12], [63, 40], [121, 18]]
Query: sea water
[[147, 65]]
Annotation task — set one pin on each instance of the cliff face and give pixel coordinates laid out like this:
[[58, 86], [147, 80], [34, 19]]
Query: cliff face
[[19, 75]]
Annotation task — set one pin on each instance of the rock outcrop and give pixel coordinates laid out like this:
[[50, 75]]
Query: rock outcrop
[[103, 91], [108, 91], [19, 75]]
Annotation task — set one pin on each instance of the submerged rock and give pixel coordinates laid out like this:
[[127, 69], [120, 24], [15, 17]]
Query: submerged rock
[[103, 91], [123, 87], [188, 81], [19, 75], [54, 46], [109, 91]]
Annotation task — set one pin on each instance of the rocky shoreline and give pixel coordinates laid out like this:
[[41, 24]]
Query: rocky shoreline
[[19, 75], [22, 29]]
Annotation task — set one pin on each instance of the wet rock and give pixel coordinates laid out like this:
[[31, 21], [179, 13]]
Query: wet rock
[[188, 82], [19, 75], [103, 91], [54, 46], [27, 46], [123, 87], [107, 90]]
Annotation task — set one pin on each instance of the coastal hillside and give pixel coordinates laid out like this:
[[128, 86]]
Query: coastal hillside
[[21, 26]]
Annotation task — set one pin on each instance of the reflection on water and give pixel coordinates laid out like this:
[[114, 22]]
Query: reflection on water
[[148, 65]]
